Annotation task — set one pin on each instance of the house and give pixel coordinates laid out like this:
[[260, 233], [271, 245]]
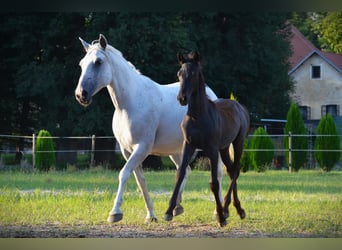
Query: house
[[318, 79]]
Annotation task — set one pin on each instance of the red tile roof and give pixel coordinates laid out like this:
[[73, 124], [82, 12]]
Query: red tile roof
[[334, 58], [303, 49]]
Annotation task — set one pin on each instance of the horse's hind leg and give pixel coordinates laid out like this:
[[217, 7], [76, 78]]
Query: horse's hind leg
[[238, 146], [229, 164], [140, 179], [177, 160]]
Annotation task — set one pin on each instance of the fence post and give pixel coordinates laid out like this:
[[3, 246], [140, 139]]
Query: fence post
[[92, 156], [33, 150], [290, 152]]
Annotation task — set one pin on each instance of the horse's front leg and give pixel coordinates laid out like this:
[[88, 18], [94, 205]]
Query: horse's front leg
[[177, 160], [188, 151], [215, 186], [136, 158]]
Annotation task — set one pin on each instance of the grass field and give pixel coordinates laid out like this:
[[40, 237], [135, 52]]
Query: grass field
[[277, 203]]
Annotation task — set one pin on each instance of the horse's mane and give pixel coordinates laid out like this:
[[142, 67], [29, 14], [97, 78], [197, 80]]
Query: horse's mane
[[118, 53]]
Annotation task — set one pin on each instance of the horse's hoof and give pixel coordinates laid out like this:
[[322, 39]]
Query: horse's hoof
[[114, 218], [168, 217], [223, 223], [151, 220], [178, 210], [242, 214]]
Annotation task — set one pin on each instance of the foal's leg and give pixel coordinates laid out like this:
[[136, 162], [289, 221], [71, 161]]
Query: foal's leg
[[229, 164], [234, 174], [139, 153], [215, 186], [177, 160], [188, 151]]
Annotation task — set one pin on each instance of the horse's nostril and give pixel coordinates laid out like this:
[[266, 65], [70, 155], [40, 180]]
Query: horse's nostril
[[84, 94]]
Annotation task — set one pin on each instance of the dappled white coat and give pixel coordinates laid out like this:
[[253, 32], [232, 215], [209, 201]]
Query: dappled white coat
[[147, 115]]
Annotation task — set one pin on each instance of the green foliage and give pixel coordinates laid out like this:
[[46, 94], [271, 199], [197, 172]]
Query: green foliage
[[323, 29], [261, 159], [45, 160], [40, 56], [295, 125], [201, 163], [245, 161], [327, 159], [328, 28]]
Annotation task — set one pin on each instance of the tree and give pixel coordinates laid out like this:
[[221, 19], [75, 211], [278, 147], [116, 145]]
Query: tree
[[328, 29], [246, 53], [45, 155], [261, 141], [295, 125], [323, 29], [327, 139], [40, 56]]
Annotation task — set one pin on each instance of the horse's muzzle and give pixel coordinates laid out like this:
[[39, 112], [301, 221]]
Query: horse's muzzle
[[83, 98], [182, 100]]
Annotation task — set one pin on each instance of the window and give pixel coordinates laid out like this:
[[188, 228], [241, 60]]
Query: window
[[305, 112], [316, 72], [332, 109]]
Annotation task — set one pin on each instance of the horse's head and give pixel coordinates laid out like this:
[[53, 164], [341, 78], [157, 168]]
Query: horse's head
[[96, 72], [189, 75]]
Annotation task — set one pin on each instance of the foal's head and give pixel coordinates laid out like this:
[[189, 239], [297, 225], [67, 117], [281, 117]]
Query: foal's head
[[190, 76]]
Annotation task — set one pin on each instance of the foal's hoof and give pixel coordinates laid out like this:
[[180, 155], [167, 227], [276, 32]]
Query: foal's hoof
[[223, 223], [114, 218], [242, 214], [151, 220], [178, 210], [168, 217]]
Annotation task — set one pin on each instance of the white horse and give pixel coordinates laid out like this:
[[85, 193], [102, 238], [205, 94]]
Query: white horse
[[146, 120]]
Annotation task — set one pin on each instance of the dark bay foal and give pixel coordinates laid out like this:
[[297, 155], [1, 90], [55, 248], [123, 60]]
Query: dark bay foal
[[212, 127]]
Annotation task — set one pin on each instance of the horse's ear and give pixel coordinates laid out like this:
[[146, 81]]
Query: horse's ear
[[197, 57], [180, 58], [85, 44], [103, 41]]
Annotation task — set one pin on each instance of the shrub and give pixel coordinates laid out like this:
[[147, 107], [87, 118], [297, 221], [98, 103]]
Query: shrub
[[201, 163], [260, 159], [327, 159], [295, 125], [46, 159], [246, 158]]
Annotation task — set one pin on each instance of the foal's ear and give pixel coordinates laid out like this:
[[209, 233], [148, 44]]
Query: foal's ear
[[180, 58], [85, 44], [103, 41], [197, 57]]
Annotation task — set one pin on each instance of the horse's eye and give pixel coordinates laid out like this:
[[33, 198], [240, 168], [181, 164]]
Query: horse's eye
[[98, 62]]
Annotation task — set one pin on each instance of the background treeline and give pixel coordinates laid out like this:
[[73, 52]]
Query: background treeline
[[243, 53]]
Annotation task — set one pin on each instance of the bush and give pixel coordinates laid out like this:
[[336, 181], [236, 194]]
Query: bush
[[261, 159], [246, 157], [295, 125], [46, 159], [327, 159]]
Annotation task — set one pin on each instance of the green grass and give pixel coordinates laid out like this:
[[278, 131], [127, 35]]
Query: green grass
[[308, 203]]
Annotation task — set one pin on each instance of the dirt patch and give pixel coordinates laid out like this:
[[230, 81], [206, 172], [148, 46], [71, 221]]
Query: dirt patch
[[130, 231]]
